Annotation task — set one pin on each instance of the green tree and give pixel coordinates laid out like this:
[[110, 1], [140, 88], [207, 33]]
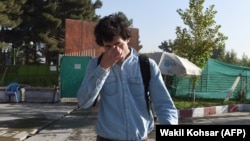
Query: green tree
[[218, 54], [61, 10], [231, 57], [10, 11], [130, 21], [10, 17], [74, 9], [166, 46], [201, 37], [245, 61], [43, 21]]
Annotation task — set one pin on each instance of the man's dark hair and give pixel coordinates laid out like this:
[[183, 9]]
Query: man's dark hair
[[110, 26]]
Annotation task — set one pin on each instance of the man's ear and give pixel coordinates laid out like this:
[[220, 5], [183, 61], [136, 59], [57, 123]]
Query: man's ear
[[128, 40]]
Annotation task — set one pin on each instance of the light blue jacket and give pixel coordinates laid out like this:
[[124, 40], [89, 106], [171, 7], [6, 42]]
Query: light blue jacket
[[123, 113]]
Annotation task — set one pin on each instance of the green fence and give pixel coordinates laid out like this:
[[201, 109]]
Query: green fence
[[72, 71], [218, 80], [33, 75]]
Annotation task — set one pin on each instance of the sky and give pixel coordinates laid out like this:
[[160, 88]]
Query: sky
[[158, 19]]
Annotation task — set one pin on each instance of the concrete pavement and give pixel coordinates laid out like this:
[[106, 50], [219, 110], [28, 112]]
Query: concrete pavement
[[65, 122], [19, 121]]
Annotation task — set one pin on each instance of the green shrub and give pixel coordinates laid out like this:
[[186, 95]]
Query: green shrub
[[33, 75]]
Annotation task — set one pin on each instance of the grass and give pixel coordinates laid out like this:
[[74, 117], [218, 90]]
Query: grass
[[184, 103]]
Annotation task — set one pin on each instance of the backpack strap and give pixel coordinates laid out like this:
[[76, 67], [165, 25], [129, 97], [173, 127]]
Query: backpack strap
[[99, 59], [98, 62], [145, 71]]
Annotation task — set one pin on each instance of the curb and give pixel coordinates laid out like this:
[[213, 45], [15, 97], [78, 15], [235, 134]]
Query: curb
[[206, 111], [187, 113]]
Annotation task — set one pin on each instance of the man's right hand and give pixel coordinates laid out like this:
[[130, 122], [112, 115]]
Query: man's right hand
[[110, 57]]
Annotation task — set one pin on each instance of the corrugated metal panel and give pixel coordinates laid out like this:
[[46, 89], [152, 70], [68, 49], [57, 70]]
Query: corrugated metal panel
[[72, 71]]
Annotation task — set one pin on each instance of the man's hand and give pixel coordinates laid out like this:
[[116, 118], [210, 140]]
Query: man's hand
[[110, 57]]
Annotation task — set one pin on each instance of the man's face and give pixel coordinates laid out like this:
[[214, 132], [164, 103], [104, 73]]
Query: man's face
[[118, 44]]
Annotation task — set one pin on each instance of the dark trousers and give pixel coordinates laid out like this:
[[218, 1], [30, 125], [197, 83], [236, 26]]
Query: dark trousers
[[99, 138]]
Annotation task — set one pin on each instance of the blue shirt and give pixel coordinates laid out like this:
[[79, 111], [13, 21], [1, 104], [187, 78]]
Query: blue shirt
[[123, 112]]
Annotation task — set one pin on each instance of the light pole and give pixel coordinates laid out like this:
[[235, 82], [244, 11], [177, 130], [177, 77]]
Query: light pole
[[31, 43], [33, 48], [15, 54], [4, 51], [28, 48]]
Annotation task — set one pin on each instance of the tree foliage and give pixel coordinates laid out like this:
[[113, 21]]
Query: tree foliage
[[47, 19], [42, 21], [245, 61], [10, 17], [231, 57], [10, 11], [201, 37], [166, 46], [74, 9]]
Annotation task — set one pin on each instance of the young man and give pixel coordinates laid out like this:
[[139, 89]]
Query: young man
[[123, 113]]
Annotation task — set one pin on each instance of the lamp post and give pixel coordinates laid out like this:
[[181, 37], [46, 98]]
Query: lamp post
[[31, 43], [15, 53], [33, 47], [28, 51], [4, 51]]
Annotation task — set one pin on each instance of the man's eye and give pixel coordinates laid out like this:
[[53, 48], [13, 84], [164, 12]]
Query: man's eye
[[116, 44], [107, 46]]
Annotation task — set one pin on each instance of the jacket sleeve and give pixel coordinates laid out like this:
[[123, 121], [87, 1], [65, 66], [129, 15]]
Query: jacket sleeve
[[92, 84], [162, 102]]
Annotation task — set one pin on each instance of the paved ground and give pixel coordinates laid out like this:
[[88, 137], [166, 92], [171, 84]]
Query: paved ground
[[20, 120], [65, 122]]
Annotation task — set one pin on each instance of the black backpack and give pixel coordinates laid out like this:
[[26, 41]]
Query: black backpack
[[145, 71]]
